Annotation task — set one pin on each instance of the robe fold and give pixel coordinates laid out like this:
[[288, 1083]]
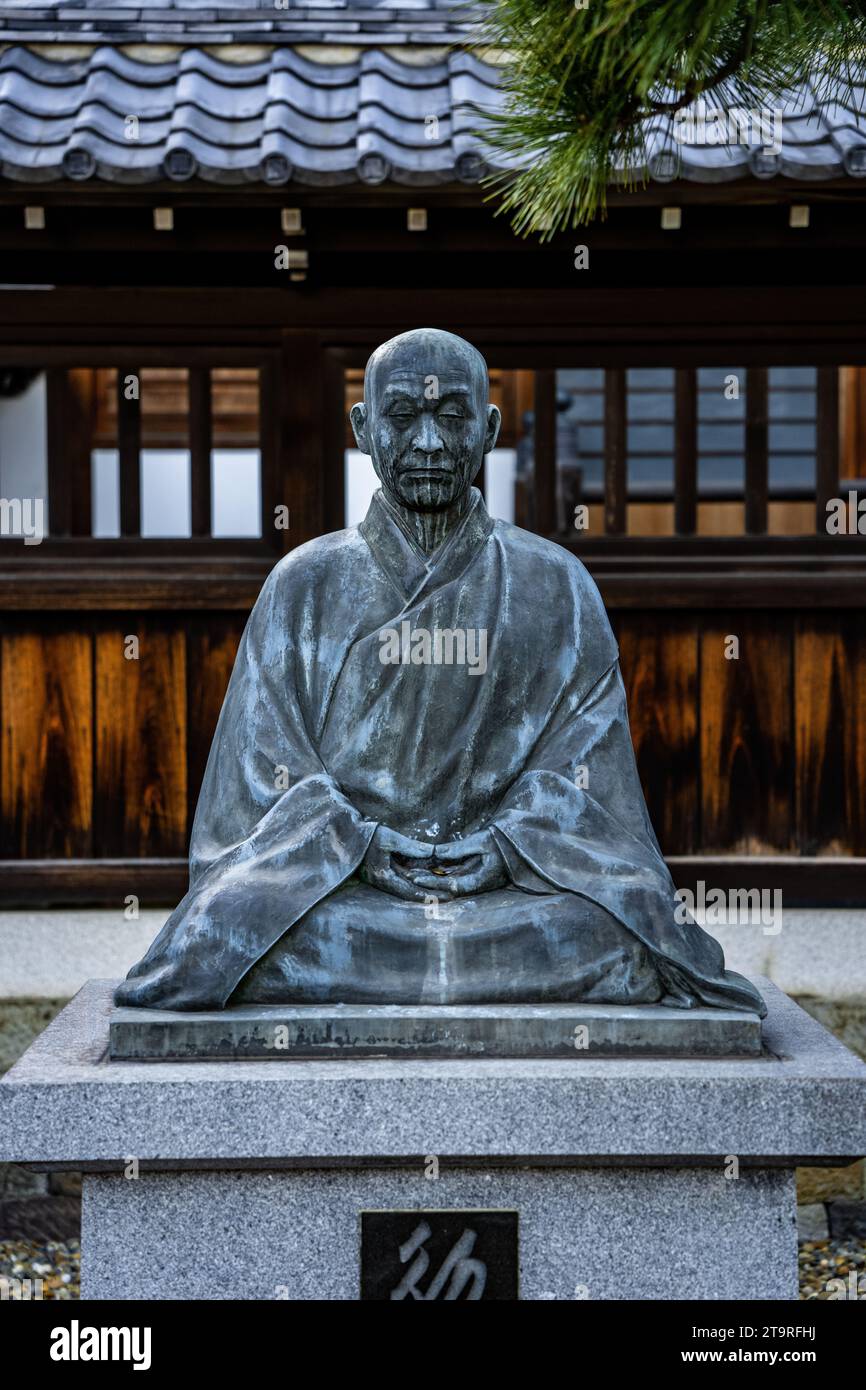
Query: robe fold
[[324, 735]]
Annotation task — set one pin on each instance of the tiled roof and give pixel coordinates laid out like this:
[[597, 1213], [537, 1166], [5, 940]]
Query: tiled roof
[[369, 118], [244, 21], [330, 113]]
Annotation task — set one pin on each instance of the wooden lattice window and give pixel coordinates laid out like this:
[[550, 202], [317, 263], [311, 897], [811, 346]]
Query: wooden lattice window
[[179, 452], [655, 452]]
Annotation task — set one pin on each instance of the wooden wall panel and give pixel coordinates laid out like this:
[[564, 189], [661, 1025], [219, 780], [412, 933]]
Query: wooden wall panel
[[141, 777], [830, 718], [102, 757], [46, 706], [211, 647], [747, 744], [659, 660]]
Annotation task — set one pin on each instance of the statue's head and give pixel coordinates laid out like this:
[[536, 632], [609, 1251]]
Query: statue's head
[[426, 420]]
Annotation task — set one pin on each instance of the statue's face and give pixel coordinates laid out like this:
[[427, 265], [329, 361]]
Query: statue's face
[[426, 421]]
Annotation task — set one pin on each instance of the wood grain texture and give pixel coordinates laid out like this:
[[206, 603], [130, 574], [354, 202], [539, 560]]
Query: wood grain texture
[[211, 647], [141, 777], [747, 745], [659, 660], [46, 704], [830, 719]]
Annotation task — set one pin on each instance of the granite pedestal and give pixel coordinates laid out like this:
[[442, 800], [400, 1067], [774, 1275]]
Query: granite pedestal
[[646, 1178]]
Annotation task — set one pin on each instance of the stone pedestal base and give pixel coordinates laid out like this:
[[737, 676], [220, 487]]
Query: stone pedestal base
[[612, 1177], [593, 1233], [410, 1031]]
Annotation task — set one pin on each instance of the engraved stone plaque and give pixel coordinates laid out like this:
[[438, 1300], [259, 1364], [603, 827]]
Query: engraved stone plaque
[[446, 1255]]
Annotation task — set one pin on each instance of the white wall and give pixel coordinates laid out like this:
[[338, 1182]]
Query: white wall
[[23, 448], [50, 954], [361, 483], [165, 492]]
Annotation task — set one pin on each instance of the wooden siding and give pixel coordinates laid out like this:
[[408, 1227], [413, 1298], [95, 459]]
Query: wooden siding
[[764, 753]]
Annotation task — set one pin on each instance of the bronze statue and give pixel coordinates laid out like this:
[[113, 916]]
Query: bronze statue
[[422, 787]]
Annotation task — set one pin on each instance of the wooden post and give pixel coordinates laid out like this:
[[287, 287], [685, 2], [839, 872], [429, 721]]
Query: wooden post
[[303, 425], [59, 481], [827, 444], [615, 485], [200, 444], [756, 451], [129, 453], [69, 403], [686, 453], [544, 454]]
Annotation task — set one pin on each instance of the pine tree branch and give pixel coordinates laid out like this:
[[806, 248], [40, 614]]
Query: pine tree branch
[[697, 87], [582, 84]]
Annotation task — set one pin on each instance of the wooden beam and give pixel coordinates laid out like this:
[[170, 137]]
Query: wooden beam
[[804, 881], [615, 481], [129, 451], [820, 881], [819, 324], [756, 451], [200, 444], [193, 578], [686, 452], [51, 882], [640, 572], [827, 444], [544, 454]]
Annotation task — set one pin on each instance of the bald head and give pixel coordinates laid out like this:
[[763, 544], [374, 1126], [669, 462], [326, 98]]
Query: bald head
[[429, 350], [426, 420]]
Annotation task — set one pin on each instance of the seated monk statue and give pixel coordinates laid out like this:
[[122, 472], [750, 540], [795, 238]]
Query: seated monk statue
[[422, 788]]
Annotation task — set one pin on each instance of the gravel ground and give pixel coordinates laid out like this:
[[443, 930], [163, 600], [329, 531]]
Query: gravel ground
[[822, 1260], [56, 1263]]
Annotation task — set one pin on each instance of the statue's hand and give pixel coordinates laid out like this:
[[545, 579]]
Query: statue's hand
[[383, 867], [473, 865]]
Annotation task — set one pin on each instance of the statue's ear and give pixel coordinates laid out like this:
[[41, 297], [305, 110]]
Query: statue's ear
[[494, 420], [358, 416]]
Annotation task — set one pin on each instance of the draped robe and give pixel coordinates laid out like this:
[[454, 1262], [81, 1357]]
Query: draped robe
[[320, 740]]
